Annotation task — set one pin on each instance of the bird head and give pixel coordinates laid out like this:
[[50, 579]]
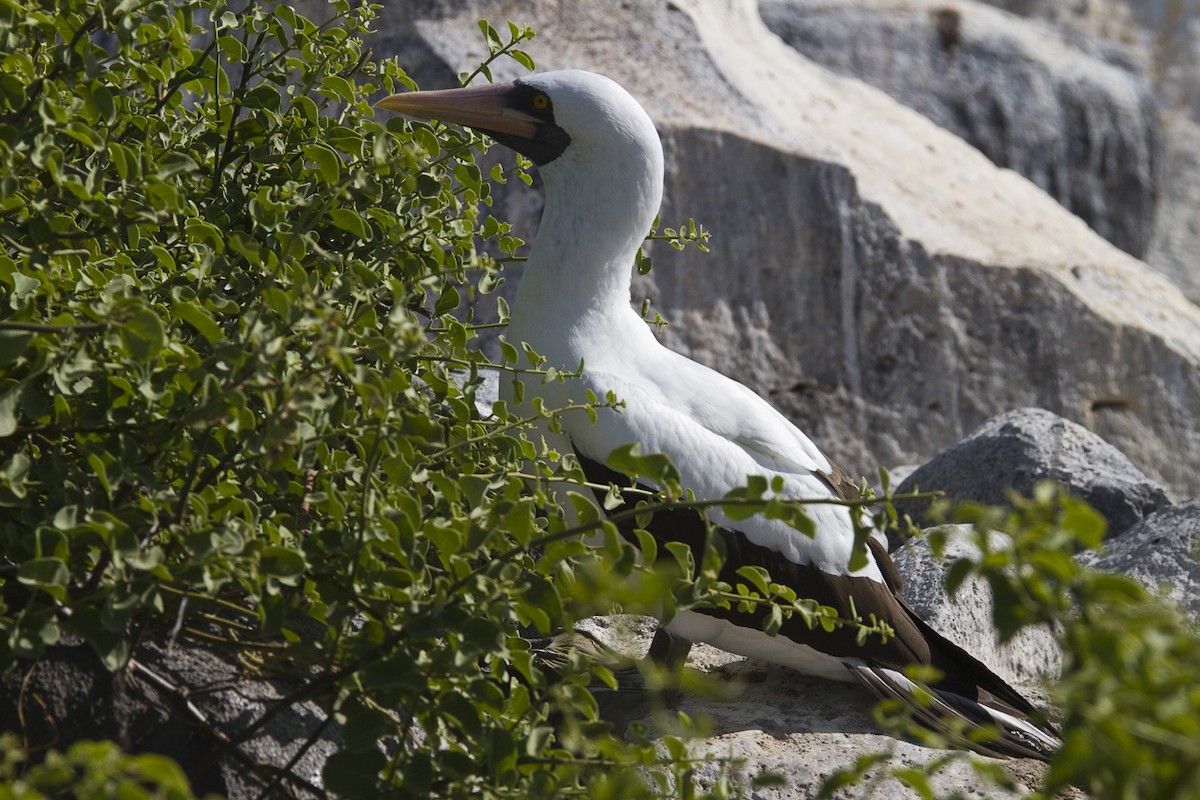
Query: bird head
[[542, 116]]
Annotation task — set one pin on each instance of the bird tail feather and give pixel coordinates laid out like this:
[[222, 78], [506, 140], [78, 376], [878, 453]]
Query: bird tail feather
[[957, 716]]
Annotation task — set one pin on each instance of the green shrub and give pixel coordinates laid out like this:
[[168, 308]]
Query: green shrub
[[237, 392]]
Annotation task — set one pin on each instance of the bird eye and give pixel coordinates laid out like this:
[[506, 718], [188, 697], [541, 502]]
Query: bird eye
[[540, 102]]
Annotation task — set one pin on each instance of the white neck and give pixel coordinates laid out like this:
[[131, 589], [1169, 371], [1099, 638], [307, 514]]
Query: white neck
[[601, 198]]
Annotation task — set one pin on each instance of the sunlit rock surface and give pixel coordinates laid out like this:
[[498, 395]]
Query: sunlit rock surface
[[882, 281]]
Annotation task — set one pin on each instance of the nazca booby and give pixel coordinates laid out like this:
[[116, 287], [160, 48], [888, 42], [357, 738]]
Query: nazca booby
[[601, 162]]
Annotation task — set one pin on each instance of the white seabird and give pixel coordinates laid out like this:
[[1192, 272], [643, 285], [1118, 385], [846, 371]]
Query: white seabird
[[601, 162]]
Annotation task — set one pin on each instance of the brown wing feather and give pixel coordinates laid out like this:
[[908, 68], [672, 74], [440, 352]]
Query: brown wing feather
[[839, 480], [841, 484]]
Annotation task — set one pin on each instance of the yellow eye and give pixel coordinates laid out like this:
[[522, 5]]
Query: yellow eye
[[540, 102]]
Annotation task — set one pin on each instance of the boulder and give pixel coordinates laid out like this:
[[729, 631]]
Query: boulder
[[762, 718], [184, 701], [806, 729], [1015, 450], [1161, 551], [887, 286], [1085, 127], [1031, 658]]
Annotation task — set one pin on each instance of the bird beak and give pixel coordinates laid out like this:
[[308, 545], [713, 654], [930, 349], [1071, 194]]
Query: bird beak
[[483, 107]]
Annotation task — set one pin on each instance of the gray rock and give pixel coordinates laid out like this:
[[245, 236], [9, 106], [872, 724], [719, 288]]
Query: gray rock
[[1177, 225], [184, 702], [1032, 657], [885, 284], [806, 729], [1015, 450], [1083, 127], [1161, 551], [1163, 38], [488, 390]]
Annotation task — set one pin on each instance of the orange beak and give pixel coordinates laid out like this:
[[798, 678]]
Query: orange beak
[[482, 107]]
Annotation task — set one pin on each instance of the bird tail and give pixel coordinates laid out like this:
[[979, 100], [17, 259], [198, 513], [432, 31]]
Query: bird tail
[[962, 719]]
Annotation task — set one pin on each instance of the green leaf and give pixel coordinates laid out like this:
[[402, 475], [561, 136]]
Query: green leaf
[[916, 780], [175, 164], [124, 160], [448, 301], [233, 49], [196, 316], [281, 562], [538, 740], [48, 574], [774, 620], [9, 416], [329, 164], [1086, 523], [490, 34], [508, 352], [350, 220], [630, 460], [683, 557], [143, 333], [757, 577], [24, 286], [522, 58], [647, 544], [13, 345], [519, 523], [338, 87], [959, 571]]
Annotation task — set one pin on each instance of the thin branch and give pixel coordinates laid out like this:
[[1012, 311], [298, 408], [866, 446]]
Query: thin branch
[[179, 695]]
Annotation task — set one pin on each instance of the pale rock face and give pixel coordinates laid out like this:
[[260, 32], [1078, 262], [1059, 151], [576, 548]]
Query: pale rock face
[[1163, 38], [882, 282], [1084, 126]]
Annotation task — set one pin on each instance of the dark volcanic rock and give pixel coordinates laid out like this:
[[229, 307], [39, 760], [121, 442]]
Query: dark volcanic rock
[[184, 702]]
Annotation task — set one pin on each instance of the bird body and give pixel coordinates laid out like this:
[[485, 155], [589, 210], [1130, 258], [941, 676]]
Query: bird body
[[573, 307], [601, 162]]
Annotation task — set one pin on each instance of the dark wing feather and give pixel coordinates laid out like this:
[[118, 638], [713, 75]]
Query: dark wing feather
[[966, 682]]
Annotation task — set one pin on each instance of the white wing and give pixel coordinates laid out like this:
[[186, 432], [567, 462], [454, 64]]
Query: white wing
[[718, 433]]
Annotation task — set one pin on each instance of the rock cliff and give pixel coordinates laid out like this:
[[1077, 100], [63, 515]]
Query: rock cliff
[[884, 282]]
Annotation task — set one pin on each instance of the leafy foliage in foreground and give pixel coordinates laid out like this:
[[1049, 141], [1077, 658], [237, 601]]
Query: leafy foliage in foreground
[[1129, 694], [237, 399], [92, 770]]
